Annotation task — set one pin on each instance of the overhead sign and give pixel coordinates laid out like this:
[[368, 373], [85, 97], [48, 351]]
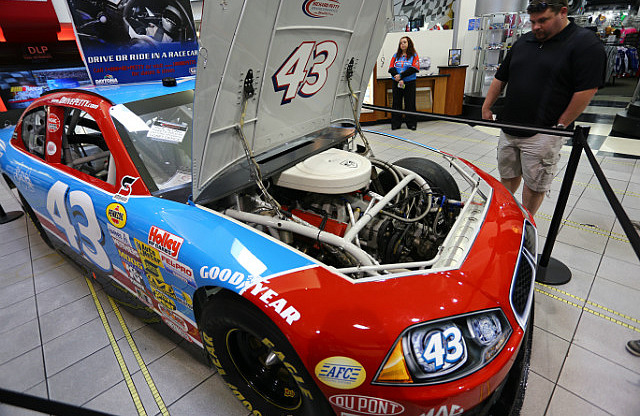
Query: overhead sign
[[124, 41]]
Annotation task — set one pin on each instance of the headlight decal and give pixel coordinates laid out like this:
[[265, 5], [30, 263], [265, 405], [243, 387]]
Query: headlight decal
[[446, 349]]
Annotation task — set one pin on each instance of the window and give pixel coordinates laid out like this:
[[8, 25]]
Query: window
[[34, 129], [84, 147]]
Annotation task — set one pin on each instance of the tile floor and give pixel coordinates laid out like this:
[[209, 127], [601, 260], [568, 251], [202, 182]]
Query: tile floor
[[53, 342]]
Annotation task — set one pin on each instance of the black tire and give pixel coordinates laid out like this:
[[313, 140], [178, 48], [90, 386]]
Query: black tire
[[511, 397], [238, 338], [34, 219], [438, 178]]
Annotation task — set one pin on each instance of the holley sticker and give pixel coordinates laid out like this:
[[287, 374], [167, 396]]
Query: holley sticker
[[164, 241]]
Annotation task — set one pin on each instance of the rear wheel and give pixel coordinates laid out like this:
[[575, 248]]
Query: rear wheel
[[257, 362]]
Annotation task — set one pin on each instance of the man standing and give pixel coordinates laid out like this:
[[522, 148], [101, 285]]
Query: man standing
[[552, 73]]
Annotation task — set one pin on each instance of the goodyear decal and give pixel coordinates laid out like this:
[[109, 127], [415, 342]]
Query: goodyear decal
[[178, 269], [367, 405], [232, 277], [164, 241], [341, 372], [148, 252], [117, 215], [271, 298]]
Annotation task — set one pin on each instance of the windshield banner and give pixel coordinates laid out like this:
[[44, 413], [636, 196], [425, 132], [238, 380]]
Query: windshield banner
[[124, 41]]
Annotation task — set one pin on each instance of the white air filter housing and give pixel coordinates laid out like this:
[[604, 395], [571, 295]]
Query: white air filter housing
[[333, 171]]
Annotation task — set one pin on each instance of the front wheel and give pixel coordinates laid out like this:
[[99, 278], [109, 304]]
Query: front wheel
[[257, 362]]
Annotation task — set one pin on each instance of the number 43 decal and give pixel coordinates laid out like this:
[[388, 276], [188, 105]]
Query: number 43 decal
[[293, 78]]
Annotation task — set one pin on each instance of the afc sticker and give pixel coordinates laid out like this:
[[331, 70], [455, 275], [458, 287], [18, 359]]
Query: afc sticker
[[117, 215], [341, 372], [367, 405]]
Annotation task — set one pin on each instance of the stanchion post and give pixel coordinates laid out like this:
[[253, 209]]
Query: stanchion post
[[552, 271], [6, 217]]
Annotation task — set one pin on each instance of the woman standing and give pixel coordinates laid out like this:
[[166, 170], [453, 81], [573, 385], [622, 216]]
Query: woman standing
[[403, 68]]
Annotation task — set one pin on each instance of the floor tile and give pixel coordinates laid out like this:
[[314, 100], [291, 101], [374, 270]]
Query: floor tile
[[556, 317], [19, 340], [17, 314], [212, 395], [548, 354], [564, 402], [538, 394], [601, 382], [623, 272], [61, 295], [23, 372], [616, 296]]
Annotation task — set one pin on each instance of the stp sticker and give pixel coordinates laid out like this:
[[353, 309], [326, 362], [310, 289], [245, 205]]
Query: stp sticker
[[125, 189], [53, 123], [117, 215], [341, 372], [367, 405]]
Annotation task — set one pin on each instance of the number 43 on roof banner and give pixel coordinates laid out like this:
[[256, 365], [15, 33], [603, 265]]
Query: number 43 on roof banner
[[124, 41]]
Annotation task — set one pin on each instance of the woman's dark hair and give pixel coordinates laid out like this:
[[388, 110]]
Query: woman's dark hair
[[411, 51]]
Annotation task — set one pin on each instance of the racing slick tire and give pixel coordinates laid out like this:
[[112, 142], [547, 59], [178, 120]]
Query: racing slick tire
[[438, 178], [256, 361], [34, 219], [511, 396]]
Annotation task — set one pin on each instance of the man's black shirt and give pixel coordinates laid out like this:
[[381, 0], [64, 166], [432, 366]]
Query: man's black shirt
[[543, 76]]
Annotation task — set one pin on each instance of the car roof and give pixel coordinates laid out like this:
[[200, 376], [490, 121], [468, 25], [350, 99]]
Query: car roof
[[126, 93]]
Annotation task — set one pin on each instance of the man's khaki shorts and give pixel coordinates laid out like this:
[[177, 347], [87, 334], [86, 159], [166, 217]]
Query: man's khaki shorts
[[534, 158]]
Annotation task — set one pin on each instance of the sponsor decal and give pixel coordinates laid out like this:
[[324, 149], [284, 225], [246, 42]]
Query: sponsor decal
[[127, 249], [125, 189], [22, 177], [144, 297], [367, 405], [271, 298], [148, 252], [155, 279], [117, 215], [341, 372], [134, 274], [107, 80], [320, 8], [129, 259], [444, 411], [79, 102], [3, 146], [185, 299], [117, 235], [53, 123], [178, 269], [234, 278], [164, 241], [51, 148], [163, 299]]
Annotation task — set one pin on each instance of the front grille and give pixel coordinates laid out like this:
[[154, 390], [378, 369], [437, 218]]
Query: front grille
[[525, 273]]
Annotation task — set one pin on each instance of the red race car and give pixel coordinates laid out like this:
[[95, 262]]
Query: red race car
[[318, 278]]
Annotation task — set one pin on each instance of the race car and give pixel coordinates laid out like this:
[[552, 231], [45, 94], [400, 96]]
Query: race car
[[246, 210]]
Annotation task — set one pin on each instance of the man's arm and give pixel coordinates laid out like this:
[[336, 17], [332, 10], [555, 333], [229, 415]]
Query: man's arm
[[495, 89], [578, 103]]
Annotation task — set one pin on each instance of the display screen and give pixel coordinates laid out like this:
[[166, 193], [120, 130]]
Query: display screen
[[19, 88]]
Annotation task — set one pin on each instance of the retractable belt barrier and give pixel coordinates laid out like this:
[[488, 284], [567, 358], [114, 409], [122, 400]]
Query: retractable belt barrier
[[551, 271], [43, 405]]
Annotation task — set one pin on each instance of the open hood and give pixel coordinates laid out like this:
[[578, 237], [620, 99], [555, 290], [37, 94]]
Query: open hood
[[294, 55]]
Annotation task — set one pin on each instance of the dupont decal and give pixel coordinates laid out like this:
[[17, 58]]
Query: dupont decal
[[341, 372], [320, 8], [178, 269], [53, 123], [271, 298], [164, 241], [125, 189], [367, 405], [117, 215], [148, 252], [51, 148], [455, 410]]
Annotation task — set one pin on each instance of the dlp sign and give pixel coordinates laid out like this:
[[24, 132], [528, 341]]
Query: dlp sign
[[37, 50]]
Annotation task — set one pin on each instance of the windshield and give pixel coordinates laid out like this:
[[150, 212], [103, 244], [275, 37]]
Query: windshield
[[160, 132]]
